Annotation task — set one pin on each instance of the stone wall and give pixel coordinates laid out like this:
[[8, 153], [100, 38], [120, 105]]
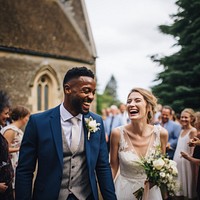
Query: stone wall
[[17, 73]]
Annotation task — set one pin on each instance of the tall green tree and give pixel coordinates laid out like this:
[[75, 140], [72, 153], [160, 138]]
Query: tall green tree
[[179, 83], [111, 87], [109, 95]]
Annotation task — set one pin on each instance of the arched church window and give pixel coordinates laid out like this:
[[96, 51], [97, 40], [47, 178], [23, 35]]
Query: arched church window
[[45, 90], [43, 93], [39, 97]]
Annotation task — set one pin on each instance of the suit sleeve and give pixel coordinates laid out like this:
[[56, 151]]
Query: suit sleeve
[[176, 133], [26, 163], [103, 170]]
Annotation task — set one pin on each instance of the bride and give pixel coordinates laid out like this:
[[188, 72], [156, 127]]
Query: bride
[[135, 140]]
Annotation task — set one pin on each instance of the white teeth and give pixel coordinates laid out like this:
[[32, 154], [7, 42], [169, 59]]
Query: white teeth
[[133, 110]]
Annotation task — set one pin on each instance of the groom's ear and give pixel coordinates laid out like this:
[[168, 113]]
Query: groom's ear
[[67, 88]]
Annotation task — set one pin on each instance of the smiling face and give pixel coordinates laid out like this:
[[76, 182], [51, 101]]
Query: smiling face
[[185, 119], [4, 115], [79, 94], [136, 106], [166, 115]]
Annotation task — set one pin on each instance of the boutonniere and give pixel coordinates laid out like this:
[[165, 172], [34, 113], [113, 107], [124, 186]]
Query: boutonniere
[[92, 125]]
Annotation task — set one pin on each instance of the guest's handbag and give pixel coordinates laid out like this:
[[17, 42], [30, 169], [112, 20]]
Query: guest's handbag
[[8, 182], [4, 164], [7, 179]]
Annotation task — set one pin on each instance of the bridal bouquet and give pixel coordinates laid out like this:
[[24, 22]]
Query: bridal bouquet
[[160, 171]]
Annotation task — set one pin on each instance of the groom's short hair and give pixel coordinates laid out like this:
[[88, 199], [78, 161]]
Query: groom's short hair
[[77, 72]]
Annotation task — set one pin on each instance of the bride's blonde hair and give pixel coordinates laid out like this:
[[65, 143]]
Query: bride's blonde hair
[[151, 102]]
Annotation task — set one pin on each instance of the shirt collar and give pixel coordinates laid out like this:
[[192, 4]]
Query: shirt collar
[[66, 115]]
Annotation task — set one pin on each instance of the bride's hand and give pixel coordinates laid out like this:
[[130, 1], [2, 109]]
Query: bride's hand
[[150, 184]]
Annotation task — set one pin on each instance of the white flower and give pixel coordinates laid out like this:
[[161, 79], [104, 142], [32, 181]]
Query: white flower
[[91, 125], [174, 170], [162, 174], [159, 163], [172, 163]]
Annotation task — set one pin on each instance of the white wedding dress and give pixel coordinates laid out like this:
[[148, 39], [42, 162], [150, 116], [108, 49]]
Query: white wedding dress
[[132, 176]]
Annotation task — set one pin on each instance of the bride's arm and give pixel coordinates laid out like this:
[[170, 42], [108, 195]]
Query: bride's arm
[[114, 147], [163, 139]]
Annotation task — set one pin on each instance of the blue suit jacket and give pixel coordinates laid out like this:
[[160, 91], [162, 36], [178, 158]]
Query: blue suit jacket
[[174, 130], [42, 142]]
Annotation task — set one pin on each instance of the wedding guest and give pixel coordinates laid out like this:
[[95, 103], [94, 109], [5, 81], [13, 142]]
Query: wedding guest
[[103, 114], [157, 116], [123, 114], [6, 170], [131, 142], [186, 175], [173, 129], [69, 144], [13, 133], [112, 121], [196, 155]]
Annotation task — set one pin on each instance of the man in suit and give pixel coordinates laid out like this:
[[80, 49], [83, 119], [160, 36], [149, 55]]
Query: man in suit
[[67, 165], [124, 114], [112, 121], [173, 129]]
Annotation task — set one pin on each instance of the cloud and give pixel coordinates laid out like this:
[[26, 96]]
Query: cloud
[[125, 34]]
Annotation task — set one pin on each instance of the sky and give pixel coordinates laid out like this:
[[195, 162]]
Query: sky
[[125, 35]]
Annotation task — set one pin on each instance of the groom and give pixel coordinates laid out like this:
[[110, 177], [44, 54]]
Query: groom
[[67, 165]]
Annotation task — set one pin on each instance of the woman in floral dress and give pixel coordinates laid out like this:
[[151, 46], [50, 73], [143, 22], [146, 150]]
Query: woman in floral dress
[[13, 133]]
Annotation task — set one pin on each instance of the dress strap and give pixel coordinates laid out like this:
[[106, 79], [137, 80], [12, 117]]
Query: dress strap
[[122, 144], [157, 129]]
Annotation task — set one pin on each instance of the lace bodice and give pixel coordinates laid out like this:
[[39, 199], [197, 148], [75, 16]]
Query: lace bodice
[[128, 158]]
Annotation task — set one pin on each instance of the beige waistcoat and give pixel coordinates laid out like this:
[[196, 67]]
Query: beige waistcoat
[[75, 177]]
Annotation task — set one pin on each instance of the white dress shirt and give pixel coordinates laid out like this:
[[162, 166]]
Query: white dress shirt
[[66, 124]]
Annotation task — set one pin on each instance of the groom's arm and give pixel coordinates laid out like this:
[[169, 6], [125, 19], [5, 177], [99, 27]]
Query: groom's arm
[[103, 169]]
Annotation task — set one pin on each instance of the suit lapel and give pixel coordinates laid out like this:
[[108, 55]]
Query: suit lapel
[[87, 142], [57, 135], [57, 132]]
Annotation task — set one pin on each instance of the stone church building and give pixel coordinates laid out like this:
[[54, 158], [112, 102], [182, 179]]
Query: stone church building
[[39, 41]]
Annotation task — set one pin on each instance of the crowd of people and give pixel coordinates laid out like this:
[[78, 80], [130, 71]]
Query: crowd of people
[[106, 150]]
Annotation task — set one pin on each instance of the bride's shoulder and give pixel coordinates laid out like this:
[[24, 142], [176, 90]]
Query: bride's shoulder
[[117, 131], [162, 132], [160, 129], [116, 135]]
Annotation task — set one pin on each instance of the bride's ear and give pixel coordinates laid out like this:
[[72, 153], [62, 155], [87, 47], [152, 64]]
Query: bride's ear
[[150, 113]]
